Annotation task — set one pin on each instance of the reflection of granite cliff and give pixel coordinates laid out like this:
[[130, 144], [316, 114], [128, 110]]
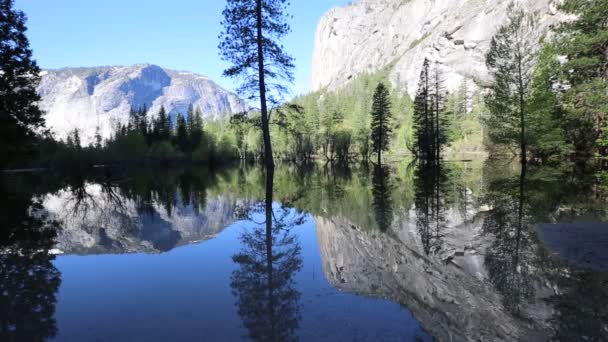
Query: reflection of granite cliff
[[102, 224], [448, 296]]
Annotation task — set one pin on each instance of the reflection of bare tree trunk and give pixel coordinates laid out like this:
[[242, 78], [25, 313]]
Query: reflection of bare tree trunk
[[520, 214], [437, 204], [269, 193]]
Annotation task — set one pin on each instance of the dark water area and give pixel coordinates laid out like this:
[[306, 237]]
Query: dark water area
[[467, 251]]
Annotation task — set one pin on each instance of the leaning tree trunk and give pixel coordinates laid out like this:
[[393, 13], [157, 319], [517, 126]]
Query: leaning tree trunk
[[262, 84]]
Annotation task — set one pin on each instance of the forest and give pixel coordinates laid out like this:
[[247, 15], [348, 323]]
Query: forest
[[548, 103]]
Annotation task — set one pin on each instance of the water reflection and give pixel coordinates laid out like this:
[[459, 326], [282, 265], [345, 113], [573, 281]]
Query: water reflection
[[382, 189], [454, 243], [511, 257], [28, 279], [264, 285], [430, 202]]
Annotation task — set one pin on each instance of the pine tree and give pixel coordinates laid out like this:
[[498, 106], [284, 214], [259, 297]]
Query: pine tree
[[511, 60], [439, 110], [20, 118], [98, 138], [143, 121], [189, 125], [196, 129], [423, 122], [163, 125], [250, 42], [381, 129], [181, 134], [584, 42]]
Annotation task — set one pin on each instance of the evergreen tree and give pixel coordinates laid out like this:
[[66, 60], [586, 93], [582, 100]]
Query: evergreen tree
[[382, 130], [511, 59], [98, 138], [463, 99], [196, 129], [250, 42], [143, 121], [584, 42], [181, 135], [20, 118], [438, 106], [545, 131], [76, 139], [163, 125], [189, 125], [423, 118]]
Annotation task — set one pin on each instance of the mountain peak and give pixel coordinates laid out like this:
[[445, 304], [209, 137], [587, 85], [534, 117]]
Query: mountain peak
[[86, 97]]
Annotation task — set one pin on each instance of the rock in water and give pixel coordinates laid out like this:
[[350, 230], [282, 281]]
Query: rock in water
[[84, 98], [368, 35]]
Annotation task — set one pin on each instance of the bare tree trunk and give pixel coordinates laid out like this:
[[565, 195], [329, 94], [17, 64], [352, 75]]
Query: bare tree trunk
[[522, 104], [262, 84]]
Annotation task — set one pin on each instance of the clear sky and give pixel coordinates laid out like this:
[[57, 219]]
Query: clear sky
[[176, 34]]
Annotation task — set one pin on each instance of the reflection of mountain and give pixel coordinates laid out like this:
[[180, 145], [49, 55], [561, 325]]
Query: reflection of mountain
[[104, 220], [449, 302]]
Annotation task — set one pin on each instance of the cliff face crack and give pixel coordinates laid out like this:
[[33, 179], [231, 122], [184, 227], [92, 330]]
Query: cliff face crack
[[468, 27]]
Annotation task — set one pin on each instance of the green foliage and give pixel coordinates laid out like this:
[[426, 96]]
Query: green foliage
[[511, 60], [326, 114], [181, 135], [431, 117], [20, 118], [250, 42], [128, 147], [545, 135], [163, 152], [381, 126], [584, 43]]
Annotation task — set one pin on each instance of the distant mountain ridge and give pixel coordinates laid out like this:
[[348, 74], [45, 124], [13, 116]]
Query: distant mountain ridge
[[86, 97]]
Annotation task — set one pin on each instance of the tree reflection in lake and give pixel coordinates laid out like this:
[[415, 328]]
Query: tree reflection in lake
[[267, 299], [28, 279], [521, 268], [581, 309], [509, 258], [382, 189], [467, 233], [430, 203]]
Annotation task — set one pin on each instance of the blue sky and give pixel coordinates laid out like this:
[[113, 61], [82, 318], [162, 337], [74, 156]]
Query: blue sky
[[177, 34]]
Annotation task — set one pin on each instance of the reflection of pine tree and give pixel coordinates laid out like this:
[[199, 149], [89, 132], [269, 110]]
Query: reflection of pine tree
[[382, 196], [581, 310], [263, 284], [28, 279], [430, 200], [508, 260]]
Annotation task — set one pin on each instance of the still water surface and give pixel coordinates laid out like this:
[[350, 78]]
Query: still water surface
[[465, 251]]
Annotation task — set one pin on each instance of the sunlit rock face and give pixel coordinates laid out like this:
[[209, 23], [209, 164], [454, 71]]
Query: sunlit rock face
[[368, 35], [84, 98], [448, 292], [96, 219]]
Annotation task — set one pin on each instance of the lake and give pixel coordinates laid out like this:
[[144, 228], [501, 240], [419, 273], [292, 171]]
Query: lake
[[464, 251]]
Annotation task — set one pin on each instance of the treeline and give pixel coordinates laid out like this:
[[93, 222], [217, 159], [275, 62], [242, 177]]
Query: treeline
[[548, 102], [342, 126], [552, 102], [146, 140]]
